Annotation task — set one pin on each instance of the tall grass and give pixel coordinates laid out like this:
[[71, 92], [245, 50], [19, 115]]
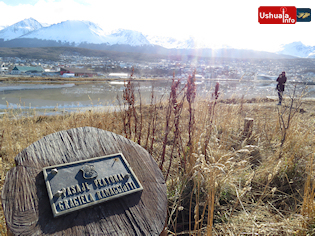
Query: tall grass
[[219, 181]]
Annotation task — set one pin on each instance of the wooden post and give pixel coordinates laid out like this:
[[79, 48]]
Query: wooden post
[[26, 204], [248, 126]]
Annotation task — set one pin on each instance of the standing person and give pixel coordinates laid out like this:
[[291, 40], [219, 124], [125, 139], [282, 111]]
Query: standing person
[[280, 86]]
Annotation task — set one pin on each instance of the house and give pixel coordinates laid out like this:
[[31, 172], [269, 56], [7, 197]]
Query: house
[[3, 68], [197, 76], [19, 70], [52, 72], [77, 72], [119, 75]]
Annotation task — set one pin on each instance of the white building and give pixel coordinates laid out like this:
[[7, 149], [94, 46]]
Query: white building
[[119, 75]]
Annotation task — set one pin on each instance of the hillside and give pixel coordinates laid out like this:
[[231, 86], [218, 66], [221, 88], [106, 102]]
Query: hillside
[[52, 53], [36, 49]]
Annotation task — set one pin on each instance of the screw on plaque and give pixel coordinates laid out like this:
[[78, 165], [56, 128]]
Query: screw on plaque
[[115, 160], [54, 171], [59, 193], [126, 176]]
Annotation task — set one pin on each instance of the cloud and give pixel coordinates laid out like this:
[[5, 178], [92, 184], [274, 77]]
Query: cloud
[[18, 2], [44, 11]]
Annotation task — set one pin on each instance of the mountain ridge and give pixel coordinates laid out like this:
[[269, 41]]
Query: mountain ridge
[[74, 33], [298, 49], [19, 29]]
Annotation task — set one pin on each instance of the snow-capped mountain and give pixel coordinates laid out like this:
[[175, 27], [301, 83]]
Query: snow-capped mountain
[[21, 28], [186, 43], [298, 49], [77, 32], [70, 32], [170, 42], [45, 24], [129, 37]]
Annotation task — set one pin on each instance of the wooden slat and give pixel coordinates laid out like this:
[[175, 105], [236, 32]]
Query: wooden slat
[[26, 204]]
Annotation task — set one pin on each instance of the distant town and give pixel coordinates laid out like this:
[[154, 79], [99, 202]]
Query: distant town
[[300, 69]]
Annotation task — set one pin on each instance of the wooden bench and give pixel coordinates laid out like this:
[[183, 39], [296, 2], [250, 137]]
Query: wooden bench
[[26, 203]]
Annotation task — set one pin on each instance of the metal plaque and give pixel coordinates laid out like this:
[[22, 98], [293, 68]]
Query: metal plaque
[[81, 184]]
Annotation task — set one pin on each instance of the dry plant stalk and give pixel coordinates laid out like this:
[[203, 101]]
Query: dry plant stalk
[[211, 114], [286, 115], [172, 123], [167, 130], [308, 206], [190, 96], [177, 110], [151, 127], [131, 115]]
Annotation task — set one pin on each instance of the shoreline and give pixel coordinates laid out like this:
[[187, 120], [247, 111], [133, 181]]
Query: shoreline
[[20, 112], [14, 78], [30, 111]]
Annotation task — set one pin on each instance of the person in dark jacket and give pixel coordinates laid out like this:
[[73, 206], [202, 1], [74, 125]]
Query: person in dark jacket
[[280, 86]]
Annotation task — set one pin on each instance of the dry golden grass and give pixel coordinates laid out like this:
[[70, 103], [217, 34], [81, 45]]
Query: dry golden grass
[[222, 182]]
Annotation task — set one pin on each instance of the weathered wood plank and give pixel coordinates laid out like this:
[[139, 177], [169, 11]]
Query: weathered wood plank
[[248, 126], [26, 204]]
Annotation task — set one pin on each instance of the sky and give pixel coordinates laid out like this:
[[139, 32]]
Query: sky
[[216, 22]]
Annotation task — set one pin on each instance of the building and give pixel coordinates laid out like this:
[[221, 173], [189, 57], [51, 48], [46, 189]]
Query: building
[[119, 75], [52, 72], [27, 70], [3, 69], [77, 72]]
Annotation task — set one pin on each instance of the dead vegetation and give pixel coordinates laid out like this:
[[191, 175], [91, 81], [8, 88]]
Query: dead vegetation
[[221, 180]]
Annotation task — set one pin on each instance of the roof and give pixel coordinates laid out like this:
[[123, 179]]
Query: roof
[[123, 75], [29, 68], [77, 70]]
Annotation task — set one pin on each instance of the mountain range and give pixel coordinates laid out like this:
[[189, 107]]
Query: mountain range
[[298, 49], [31, 33], [21, 28]]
